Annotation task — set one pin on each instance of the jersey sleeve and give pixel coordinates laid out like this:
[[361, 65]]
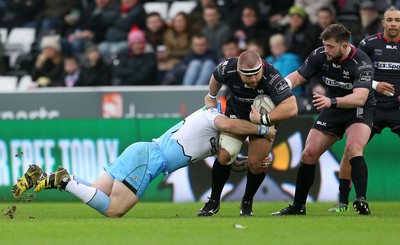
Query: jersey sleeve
[[364, 73], [280, 89], [211, 114], [312, 64], [219, 71]]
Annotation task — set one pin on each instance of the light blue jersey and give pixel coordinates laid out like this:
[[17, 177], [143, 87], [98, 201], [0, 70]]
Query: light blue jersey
[[191, 140]]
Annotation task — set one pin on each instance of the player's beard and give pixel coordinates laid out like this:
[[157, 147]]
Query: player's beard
[[336, 58]]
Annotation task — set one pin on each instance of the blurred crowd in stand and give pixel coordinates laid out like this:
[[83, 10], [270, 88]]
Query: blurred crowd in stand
[[119, 43]]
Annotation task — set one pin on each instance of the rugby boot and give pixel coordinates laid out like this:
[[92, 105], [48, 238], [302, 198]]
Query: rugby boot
[[293, 209], [246, 208], [30, 179], [210, 208], [361, 206], [56, 180], [340, 207]]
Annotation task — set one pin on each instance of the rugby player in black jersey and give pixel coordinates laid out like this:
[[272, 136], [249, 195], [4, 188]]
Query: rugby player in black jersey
[[384, 50], [246, 76], [349, 108]]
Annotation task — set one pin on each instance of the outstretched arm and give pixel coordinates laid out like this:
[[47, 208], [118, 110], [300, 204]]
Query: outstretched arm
[[242, 127]]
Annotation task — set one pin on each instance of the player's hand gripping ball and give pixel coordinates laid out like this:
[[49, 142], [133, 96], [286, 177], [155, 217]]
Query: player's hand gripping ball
[[263, 104]]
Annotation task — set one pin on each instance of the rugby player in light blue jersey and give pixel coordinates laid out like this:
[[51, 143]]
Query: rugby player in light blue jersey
[[127, 177]]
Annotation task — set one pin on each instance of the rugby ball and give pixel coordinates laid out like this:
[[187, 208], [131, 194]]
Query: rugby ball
[[263, 104]]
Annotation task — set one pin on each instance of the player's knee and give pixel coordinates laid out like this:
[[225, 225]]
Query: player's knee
[[112, 213], [223, 156], [255, 166], [229, 149], [308, 157]]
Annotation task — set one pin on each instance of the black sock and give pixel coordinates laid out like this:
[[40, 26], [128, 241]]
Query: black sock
[[304, 181], [253, 183], [359, 175], [344, 190], [220, 174]]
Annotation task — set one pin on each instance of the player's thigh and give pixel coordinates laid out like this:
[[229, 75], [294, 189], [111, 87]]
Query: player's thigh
[[317, 143], [104, 183], [357, 137], [122, 199]]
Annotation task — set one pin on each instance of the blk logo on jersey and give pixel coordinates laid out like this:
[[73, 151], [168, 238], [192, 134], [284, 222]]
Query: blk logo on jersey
[[391, 47]]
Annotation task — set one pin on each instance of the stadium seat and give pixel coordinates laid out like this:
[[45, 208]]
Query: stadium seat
[[19, 41], [26, 83], [8, 83], [158, 7], [3, 35], [180, 6]]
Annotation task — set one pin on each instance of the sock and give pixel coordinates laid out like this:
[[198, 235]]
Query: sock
[[80, 180], [359, 175], [93, 197], [304, 181], [220, 174], [344, 190], [253, 183]]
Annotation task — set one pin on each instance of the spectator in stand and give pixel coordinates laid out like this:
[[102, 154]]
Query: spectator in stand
[[20, 13], [256, 46], [200, 63], [155, 30], [215, 30], [91, 27], [251, 28], [119, 22], [72, 75], [311, 7], [177, 38], [135, 67], [284, 61], [97, 72], [177, 42], [325, 17], [48, 66], [230, 49], [370, 21], [196, 15], [55, 15], [301, 36]]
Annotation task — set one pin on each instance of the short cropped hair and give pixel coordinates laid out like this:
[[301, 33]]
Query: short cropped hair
[[337, 32], [249, 59]]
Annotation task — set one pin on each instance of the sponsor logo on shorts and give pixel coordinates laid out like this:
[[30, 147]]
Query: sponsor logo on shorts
[[360, 112], [323, 124]]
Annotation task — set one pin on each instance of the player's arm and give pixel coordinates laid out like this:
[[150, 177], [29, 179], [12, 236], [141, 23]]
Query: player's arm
[[242, 127], [285, 110], [353, 100], [294, 79], [213, 88]]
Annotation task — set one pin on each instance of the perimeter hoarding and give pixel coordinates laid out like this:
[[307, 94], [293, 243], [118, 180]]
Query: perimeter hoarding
[[83, 146]]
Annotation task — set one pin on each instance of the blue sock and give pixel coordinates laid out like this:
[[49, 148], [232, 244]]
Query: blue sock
[[100, 202], [80, 180], [93, 197]]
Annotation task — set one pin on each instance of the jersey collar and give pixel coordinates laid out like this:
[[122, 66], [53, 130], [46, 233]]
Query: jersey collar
[[351, 54], [382, 36]]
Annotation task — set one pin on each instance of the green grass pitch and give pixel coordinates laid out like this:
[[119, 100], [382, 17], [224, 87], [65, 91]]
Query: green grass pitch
[[176, 223]]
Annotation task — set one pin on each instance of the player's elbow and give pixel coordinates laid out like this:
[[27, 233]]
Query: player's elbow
[[292, 111]]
